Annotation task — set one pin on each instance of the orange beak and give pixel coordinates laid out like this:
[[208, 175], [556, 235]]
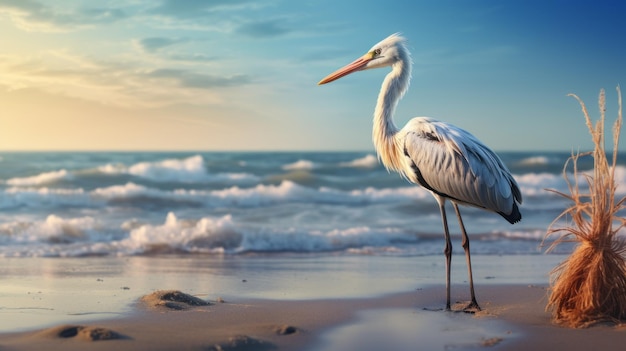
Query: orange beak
[[357, 65]]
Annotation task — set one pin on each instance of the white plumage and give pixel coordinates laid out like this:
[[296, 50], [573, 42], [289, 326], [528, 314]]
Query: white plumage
[[448, 161]]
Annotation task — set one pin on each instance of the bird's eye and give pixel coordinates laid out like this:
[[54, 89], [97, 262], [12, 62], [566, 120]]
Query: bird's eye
[[377, 52]]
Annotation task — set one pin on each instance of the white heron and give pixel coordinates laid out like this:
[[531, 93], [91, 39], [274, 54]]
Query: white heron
[[446, 160]]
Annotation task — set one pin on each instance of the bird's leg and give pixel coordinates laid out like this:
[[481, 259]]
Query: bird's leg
[[447, 250], [473, 305]]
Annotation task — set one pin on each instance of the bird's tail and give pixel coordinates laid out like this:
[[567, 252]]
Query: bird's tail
[[513, 217]]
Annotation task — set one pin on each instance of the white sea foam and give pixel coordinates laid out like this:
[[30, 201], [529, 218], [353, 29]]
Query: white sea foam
[[127, 190], [288, 191], [58, 236], [533, 184], [392, 194], [57, 229], [223, 235], [302, 165], [263, 194], [536, 234], [112, 204], [53, 229], [368, 161], [204, 235], [43, 196], [85, 236], [40, 179], [620, 179], [534, 161], [256, 196], [109, 168], [188, 170], [260, 195], [45, 191]]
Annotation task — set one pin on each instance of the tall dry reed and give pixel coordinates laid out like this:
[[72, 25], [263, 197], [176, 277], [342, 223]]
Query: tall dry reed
[[590, 285]]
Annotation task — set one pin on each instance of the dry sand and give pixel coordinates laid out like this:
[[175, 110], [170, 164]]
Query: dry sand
[[513, 316]]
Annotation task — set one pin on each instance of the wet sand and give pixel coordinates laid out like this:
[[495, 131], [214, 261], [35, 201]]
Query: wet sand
[[289, 303]]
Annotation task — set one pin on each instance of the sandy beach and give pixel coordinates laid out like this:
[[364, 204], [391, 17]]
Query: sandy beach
[[321, 302]]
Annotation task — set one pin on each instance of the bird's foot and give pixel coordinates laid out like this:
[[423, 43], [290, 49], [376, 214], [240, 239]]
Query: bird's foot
[[472, 307], [464, 307]]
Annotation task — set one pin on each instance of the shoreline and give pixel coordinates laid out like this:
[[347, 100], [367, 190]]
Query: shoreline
[[312, 303], [513, 318]]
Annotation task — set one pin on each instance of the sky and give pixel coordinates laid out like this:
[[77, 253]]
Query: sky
[[231, 75]]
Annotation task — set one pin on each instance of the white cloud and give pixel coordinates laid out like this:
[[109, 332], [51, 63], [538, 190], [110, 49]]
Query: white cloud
[[122, 83], [169, 61], [34, 16]]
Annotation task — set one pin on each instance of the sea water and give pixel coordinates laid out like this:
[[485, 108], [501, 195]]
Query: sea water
[[74, 204]]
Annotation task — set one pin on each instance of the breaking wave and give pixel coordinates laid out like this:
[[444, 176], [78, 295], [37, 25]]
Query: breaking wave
[[86, 236], [368, 161], [42, 178], [300, 165], [260, 195]]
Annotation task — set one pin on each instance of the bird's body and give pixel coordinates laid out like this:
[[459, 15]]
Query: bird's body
[[446, 160], [453, 164]]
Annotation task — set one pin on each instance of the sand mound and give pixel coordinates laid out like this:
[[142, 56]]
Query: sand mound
[[80, 332], [173, 300], [285, 329]]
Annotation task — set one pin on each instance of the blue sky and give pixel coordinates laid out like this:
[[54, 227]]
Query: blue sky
[[242, 74]]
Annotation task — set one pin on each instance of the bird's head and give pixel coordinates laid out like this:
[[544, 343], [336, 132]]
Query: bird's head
[[386, 53]]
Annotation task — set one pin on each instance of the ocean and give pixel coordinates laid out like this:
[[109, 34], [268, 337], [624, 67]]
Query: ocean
[[85, 204]]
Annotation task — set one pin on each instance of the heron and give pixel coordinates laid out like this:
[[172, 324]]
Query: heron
[[449, 162]]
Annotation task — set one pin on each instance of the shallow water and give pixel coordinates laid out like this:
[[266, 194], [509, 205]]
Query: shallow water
[[39, 292], [413, 329]]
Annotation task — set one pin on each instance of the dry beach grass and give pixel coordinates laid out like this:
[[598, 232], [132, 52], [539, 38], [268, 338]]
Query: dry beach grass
[[590, 285]]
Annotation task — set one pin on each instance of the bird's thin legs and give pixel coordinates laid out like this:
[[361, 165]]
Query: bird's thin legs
[[447, 250], [466, 246]]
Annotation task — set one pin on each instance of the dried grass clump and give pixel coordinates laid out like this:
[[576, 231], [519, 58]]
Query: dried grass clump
[[590, 285]]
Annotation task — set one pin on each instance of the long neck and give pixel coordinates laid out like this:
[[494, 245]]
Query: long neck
[[383, 134]]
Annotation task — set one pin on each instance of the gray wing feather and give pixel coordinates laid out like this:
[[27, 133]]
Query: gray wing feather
[[452, 162]]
